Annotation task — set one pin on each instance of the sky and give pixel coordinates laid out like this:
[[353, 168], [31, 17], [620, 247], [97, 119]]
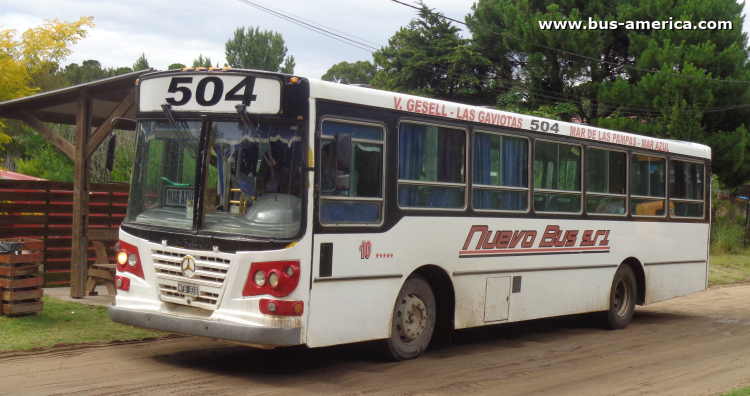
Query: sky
[[169, 31]]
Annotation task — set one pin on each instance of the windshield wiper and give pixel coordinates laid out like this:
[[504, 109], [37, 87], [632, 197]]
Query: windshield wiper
[[242, 111], [177, 130]]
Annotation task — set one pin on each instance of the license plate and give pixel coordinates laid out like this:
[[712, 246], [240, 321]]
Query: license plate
[[187, 288]]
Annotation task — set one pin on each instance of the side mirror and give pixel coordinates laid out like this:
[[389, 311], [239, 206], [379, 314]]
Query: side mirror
[[343, 152], [111, 146], [343, 160], [342, 182]]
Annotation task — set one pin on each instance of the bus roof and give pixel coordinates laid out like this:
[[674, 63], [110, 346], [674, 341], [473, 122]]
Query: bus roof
[[480, 115]]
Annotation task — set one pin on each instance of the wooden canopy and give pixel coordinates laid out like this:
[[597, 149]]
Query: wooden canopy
[[91, 107]]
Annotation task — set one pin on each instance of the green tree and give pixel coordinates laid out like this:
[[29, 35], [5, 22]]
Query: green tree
[[141, 63], [360, 72], [429, 58], [254, 49], [123, 70], [200, 61], [614, 94], [89, 70], [178, 66]]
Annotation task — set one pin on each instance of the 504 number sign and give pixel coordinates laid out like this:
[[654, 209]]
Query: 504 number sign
[[211, 93]]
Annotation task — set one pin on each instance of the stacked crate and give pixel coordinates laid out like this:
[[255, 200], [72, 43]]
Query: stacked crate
[[20, 279]]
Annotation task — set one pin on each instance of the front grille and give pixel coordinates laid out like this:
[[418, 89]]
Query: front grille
[[210, 274]]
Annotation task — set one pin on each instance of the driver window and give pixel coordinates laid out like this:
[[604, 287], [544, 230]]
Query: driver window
[[362, 202]]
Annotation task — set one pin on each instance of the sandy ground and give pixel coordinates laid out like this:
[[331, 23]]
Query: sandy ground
[[694, 345]]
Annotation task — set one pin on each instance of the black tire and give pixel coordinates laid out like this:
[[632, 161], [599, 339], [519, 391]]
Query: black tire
[[622, 297], [413, 321]]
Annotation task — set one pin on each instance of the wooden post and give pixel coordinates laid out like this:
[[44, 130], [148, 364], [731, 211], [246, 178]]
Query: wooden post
[[79, 257]]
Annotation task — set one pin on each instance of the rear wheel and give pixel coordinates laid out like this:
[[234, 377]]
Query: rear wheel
[[413, 319], [621, 300]]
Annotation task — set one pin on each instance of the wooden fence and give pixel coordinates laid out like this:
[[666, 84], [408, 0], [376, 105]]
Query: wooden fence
[[43, 210]]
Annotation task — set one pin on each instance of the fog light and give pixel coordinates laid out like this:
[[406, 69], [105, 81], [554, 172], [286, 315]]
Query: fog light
[[289, 271], [273, 279], [132, 259], [122, 257], [272, 306], [260, 278]]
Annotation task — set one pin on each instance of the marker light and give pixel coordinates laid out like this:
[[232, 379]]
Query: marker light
[[122, 257], [260, 278], [122, 283], [281, 307], [273, 279], [226, 68], [294, 80], [211, 68], [132, 259], [200, 68]]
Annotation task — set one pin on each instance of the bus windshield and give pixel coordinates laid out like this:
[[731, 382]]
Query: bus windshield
[[251, 178]]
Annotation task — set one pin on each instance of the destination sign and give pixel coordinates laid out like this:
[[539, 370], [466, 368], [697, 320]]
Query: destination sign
[[211, 93]]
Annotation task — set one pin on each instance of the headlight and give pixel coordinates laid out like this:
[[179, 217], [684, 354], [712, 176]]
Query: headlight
[[260, 278], [122, 257], [273, 279], [132, 259]]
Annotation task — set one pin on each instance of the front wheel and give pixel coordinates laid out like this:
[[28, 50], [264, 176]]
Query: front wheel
[[621, 300], [413, 319]]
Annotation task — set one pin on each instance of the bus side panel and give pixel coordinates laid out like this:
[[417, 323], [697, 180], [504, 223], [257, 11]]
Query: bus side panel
[[345, 310], [674, 280], [542, 294]]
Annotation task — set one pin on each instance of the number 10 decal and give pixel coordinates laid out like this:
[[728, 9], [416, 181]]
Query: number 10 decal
[[365, 249]]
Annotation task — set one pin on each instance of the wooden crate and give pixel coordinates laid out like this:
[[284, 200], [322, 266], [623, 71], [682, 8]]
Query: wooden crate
[[20, 282]]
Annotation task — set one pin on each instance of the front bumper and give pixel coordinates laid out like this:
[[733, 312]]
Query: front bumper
[[260, 336]]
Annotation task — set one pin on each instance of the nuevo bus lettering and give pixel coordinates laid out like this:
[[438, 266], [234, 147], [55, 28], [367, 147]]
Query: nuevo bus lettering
[[274, 210]]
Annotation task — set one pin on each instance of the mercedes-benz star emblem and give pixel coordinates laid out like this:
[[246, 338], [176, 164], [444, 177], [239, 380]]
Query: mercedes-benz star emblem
[[188, 266]]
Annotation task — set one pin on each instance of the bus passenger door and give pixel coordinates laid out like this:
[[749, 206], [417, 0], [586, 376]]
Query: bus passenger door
[[497, 299]]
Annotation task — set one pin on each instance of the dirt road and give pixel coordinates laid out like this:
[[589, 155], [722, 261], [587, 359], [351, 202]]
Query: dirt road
[[698, 344]]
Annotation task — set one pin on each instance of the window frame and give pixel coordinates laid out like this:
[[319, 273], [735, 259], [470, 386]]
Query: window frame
[[666, 185], [669, 191], [529, 175], [627, 183], [319, 169], [581, 193], [467, 158]]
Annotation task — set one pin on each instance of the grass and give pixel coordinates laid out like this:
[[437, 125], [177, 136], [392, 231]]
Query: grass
[[727, 268], [64, 323], [738, 392]]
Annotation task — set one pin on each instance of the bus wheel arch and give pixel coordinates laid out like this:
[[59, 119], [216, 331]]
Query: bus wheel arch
[[640, 279], [445, 299]]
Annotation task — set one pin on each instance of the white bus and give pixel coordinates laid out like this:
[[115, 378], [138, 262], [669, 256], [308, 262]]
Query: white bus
[[273, 210]]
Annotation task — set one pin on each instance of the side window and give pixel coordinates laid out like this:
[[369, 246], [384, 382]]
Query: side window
[[557, 177], [686, 187], [432, 167], [606, 178], [647, 185], [362, 202], [500, 172]]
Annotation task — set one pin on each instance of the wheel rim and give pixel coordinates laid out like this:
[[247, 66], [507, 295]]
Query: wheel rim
[[622, 297], [411, 318]]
